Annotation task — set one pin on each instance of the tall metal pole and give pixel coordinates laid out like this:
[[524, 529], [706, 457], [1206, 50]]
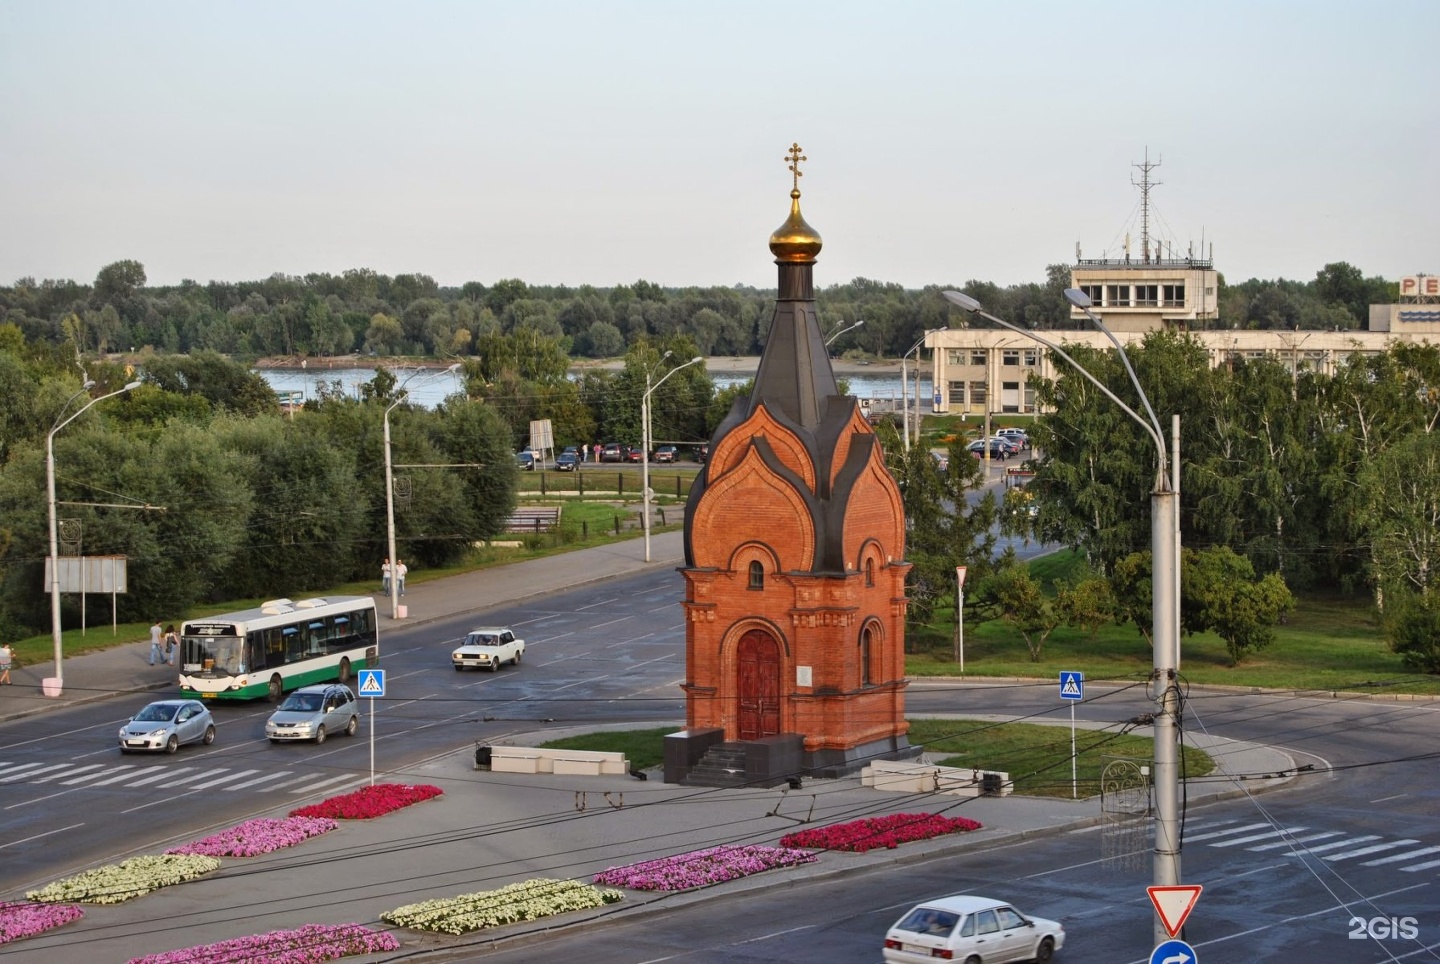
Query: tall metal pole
[[55, 631], [400, 395], [645, 436], [1165, 603]]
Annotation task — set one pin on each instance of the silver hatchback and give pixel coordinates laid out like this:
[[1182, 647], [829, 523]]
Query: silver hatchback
[[313, 712], [164, 725]]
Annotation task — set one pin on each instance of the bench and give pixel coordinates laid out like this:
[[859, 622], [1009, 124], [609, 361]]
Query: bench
[[592, 763], [533, 519]]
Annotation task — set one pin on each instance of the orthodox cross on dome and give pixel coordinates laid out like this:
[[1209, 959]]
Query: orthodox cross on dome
[[795, 157]]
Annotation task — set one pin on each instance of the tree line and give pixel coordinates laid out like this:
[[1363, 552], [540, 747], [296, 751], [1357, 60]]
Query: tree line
[[1306, 481], [362, 311]]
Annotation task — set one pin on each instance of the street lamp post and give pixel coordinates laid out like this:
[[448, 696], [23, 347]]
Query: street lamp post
[[645, 441], [400, 395], [54, 526], [904, 405], [840, 331], [1165, 584]]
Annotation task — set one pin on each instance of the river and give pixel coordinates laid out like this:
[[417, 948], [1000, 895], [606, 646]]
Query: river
[[430, 391]]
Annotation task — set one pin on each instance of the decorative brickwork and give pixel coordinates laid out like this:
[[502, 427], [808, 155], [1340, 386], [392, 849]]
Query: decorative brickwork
[[795, 548]]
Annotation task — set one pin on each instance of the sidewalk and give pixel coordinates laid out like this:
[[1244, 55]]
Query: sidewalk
[[492, 829]]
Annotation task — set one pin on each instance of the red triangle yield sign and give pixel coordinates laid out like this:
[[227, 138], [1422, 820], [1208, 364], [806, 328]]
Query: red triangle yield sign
[[1174, 904]]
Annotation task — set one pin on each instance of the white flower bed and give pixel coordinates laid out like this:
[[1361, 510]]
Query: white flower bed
[[527, 900], [116, 883]]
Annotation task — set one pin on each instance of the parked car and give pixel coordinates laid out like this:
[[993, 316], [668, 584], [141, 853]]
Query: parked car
[[998, 450], [165, 725], [968, 928], [488, 647], [525, 461], [614, 452], [1017, 435], [666, 453], [313, 713], [634, 454], [568, 460], [1011, 445], [702, 453]]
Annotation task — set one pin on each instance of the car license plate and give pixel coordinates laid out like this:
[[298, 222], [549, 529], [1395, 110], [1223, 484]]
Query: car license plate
[[208, 696], [134, 742], [917, 949]]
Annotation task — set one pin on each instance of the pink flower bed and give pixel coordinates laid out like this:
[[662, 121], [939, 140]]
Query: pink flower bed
[[700, 868], [21, 919], [372, 801], [871, 833], [304, 945], [255, 837]]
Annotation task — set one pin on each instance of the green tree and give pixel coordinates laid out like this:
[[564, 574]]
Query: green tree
[[1089, 604], [1401, 513], [1219, 592], [384, 336], [1020, 602], [1413, 626]]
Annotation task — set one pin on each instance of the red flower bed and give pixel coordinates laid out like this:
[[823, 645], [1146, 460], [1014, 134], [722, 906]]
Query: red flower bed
[[372, 801], [871, 833]]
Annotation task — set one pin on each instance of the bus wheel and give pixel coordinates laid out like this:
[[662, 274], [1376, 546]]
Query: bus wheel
[[277, 688], [345, 669]]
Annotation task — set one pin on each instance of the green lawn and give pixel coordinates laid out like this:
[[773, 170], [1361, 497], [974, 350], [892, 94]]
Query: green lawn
[[1036, 757]]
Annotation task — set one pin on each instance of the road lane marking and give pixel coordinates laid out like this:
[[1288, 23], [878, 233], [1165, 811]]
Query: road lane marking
[[1299, 840], [225, 779], [86, 778], [48, 833], [1366, 851], [33, 772], [1251, 838], [1396, 858], [1196, 838], [1332, 846], [159, 776]]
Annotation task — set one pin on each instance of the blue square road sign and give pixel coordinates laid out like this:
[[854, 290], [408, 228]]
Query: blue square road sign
[[372, 682]]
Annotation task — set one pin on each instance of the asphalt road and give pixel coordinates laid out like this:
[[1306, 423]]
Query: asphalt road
[[612, 651]]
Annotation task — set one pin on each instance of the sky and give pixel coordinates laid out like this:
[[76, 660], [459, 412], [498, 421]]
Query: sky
[[601, 143]]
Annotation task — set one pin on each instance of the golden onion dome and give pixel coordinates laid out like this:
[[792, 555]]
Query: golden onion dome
[[795, 242]]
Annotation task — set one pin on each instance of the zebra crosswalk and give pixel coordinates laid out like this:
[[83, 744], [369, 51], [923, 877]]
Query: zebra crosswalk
[[1332, 846], [183, 778]]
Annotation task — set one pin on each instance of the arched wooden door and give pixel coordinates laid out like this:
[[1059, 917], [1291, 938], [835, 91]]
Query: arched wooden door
[[758, 687]]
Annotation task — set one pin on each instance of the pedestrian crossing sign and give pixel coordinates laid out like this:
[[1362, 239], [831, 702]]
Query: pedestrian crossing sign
[[372, 682], [1072, 685]]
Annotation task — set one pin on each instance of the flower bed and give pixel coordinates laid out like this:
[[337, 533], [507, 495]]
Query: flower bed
[[255, 837], [700, 868], [304, 945], [871, 833], [19, 919], [528, 900], [372, 801], [116, 883]]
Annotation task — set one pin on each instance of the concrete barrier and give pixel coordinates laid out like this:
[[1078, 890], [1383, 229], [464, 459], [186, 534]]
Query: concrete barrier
[[898, 776], [525, 759]]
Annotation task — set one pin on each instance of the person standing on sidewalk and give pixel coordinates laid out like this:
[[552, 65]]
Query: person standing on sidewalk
[[400, 571], [5, 660], [385, 578], [155, 633], [172, 644]]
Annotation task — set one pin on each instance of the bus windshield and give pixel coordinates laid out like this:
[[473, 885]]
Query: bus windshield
[[216, 654]]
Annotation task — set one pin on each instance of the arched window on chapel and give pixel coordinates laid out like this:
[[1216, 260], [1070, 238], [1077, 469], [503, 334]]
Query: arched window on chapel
[[757, 575]]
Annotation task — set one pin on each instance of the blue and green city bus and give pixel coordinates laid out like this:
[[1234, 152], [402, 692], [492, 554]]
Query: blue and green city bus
[[280, 646]]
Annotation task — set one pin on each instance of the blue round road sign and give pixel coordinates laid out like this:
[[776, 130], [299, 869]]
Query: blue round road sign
[[1174, 952]]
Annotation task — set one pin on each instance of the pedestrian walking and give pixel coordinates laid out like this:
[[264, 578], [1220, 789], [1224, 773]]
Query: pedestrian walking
[[400, 571], [5, 659], [585, 452], [172, 644], [385, 577], [155, 633]]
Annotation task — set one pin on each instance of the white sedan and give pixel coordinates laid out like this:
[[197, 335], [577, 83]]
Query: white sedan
[[973, 930]]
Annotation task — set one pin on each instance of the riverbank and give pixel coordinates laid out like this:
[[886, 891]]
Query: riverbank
[[716, 364]]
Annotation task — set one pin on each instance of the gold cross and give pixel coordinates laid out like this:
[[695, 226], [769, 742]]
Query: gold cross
[[795, 157]]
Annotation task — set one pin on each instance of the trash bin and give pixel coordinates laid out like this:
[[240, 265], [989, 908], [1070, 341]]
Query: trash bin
[[402, 611], [482, 758], [991, 784], [51, 686]]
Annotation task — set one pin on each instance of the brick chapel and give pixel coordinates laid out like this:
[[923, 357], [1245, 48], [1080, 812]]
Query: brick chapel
[[794, 567]]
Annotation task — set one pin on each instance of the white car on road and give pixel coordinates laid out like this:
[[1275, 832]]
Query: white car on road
[[973, 930], [488, 647]]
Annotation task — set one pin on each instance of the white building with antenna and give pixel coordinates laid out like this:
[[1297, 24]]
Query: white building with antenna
[[980, 371]]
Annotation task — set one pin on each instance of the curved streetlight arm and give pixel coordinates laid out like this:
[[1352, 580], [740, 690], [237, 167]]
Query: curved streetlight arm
[[54, 525], [400, 395], [645, 441], [1082, 301], [837, 334], [962, 300]]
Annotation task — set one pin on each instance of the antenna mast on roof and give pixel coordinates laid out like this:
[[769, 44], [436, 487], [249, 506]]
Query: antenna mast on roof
[[1145, 184]]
